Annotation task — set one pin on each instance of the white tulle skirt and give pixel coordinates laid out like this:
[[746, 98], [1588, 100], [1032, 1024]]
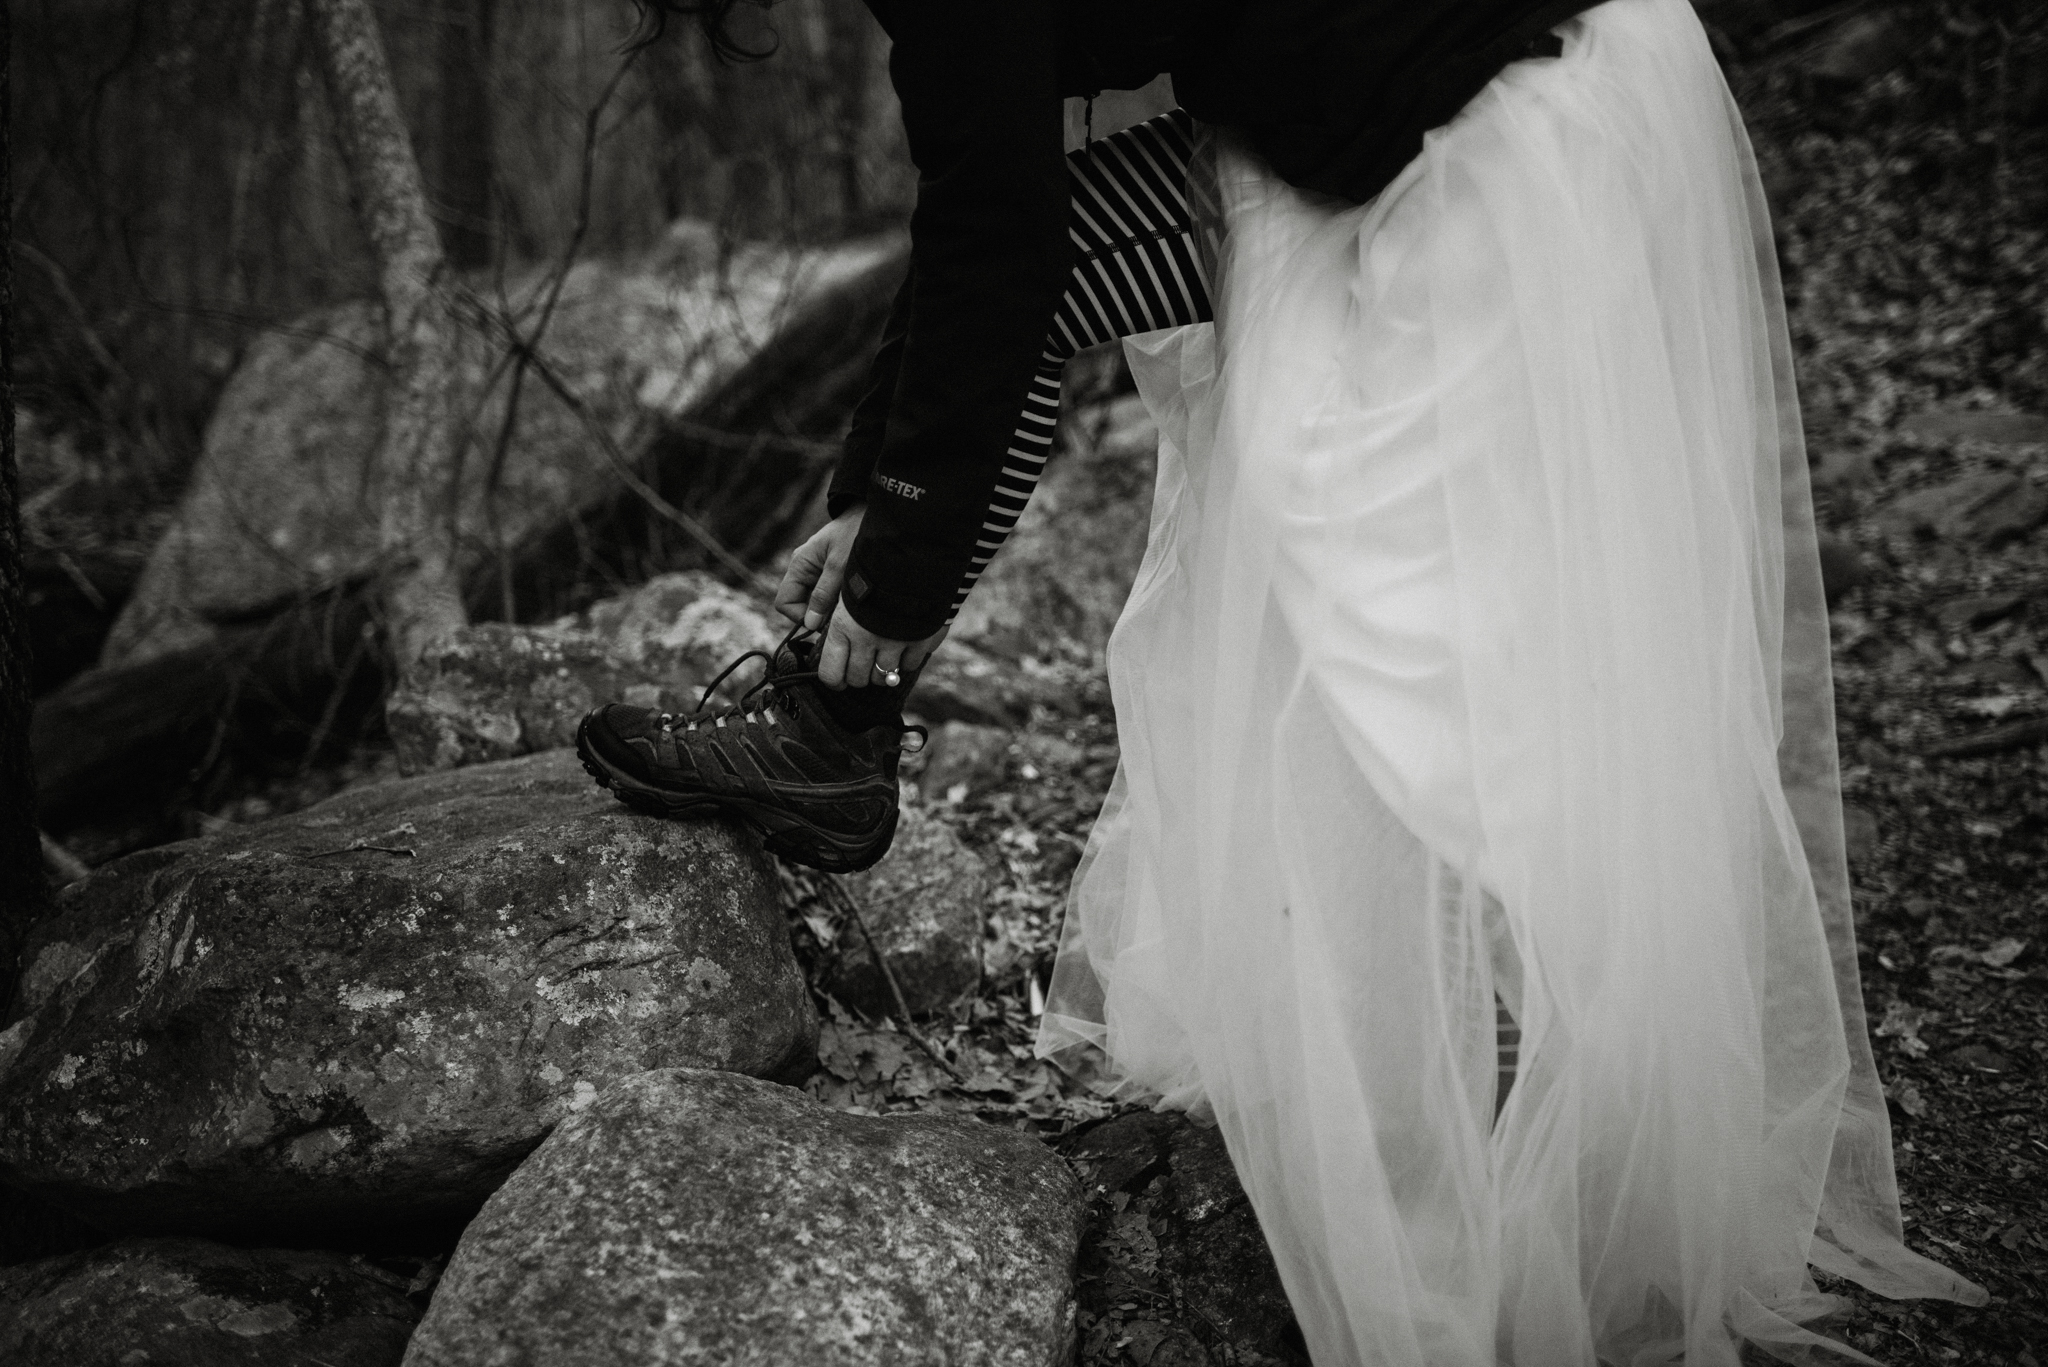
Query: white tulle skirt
[[1479, 654]]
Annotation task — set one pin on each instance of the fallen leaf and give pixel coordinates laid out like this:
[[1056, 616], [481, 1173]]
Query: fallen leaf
[[1902, 1023], [1043, 1080], [919, 1080], [886, 1054], [837, 1052], [1131, 1244], [1980, 1058], [1100, 1337], [1909, 1098], [987, 1081], [2003, 952], [1142, 1339], [1081, 1109], [1021, 838]]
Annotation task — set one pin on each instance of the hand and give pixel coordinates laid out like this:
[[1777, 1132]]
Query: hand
[[809, 593], [810, 586], [855, 657]]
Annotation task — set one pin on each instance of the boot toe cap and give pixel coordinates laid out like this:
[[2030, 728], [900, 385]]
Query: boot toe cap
[[618, 735]]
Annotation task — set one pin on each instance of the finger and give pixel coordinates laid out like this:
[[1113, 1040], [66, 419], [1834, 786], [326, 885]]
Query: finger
[[832, 659], [788, 608], [797, 581], [825, 593], [860, 658], [887, 671]]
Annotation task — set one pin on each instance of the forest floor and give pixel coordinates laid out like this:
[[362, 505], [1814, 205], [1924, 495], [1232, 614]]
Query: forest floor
[[1912, 209], [1912, 215], [1913, 220]]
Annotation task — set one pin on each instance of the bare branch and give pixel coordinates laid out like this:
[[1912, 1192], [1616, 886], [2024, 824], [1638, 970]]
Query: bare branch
[[521, 354], [689, 526]]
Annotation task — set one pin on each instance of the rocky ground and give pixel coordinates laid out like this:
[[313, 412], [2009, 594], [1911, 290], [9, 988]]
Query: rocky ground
[[1906, 154], [1913, 213]]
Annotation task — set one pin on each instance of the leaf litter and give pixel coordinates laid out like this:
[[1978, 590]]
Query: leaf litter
[[1912, 218]]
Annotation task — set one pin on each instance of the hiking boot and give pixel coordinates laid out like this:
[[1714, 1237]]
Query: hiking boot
[[817, 792]]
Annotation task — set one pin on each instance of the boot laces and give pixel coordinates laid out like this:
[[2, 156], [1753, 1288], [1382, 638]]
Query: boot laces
[[758, 703]]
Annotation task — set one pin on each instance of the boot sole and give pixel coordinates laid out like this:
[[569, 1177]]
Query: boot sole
[[781, 834]]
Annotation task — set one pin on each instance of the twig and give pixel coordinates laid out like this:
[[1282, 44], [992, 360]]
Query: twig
[[62, 285], [852, 908], [332, 708], [369, 356], [1998, 740], [226, 719], [526, 349], [690, 526], [80, 582], [898, 894], [748, 442], [68, 867]]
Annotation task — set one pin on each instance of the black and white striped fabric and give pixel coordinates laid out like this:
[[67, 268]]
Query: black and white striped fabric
[[1138, 271], [1507, 1034]]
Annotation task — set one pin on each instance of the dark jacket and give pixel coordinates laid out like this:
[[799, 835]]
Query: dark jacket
[[1335, 94]]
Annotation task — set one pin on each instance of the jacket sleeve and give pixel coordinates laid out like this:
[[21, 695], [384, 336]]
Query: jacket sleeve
[[990, 256]]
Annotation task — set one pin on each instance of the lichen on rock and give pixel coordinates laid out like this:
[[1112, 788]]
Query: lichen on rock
[[369, 1012], [494, 690], [924, 905], [690, 1216]]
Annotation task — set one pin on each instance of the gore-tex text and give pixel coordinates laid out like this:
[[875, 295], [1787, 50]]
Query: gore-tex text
[[898, 487]]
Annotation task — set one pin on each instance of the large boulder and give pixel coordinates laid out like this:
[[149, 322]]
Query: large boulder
[[924, 906], [696, 1217], [1066, 570], [362, 1016], [494, 690], [191, 1303], [284, 498]]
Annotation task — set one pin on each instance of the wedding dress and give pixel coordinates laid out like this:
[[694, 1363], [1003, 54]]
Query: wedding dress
[[1478, 654]]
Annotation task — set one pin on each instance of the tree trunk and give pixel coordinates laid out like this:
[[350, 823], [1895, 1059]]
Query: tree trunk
[[24, 891], [416, 456], [467, 163], [852, 34]]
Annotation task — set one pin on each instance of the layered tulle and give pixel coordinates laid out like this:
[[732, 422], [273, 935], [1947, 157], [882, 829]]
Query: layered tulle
[[1479, 655]]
